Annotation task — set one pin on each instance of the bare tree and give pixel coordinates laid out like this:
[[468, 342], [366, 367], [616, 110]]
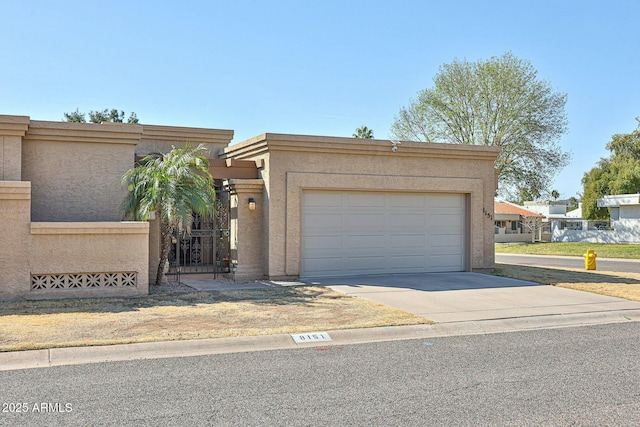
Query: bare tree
[[533, 224], [498, 102]]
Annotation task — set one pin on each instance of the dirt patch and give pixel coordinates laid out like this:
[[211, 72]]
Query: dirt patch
[[169, 287], [176, 313]]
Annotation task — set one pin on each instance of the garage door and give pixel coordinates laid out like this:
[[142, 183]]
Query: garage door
[[353, 233]]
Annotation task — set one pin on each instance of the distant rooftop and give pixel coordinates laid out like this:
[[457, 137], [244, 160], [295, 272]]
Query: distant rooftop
[[619, 200], [506, 208], [546, 202]]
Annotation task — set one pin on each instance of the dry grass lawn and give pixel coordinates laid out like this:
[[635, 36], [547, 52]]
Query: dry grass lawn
[[26, 325], [63, 323], [621, 285]]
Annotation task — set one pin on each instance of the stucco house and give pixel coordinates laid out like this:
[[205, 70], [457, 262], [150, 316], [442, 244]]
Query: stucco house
[[575, 213], [514, 223], [623, 226], [624, 213], [549, 209], [291, 206]]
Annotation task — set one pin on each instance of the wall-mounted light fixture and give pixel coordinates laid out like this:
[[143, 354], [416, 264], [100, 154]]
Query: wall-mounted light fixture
[[252, 204]]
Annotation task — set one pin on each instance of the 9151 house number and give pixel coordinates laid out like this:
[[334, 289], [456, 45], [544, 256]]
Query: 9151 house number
[[311, 337]]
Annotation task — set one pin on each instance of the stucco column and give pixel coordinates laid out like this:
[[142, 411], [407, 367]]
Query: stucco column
[[247, 227], [15, 211], [12, 129]]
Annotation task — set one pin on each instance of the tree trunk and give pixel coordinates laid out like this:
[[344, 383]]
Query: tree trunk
[[166, 231]]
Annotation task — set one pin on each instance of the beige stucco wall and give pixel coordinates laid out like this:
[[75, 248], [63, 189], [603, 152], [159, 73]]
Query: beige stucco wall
[[90, 248], [294, 163], [75, 169], [161, 138], [66, 177], [14, 231], [10, 158], [246, 228], [64, 249], [12, 129]]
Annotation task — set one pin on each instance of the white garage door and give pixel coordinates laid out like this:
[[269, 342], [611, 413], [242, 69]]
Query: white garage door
[[353, 233]]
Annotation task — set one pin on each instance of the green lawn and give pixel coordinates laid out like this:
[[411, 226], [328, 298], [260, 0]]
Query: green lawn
[[603, 250]]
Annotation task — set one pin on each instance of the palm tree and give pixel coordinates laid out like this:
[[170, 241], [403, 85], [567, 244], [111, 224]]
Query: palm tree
[[174, 186], [363, 132], [555, 194]]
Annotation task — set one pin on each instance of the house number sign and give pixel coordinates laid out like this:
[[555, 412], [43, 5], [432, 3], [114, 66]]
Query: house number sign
[[310, 337]]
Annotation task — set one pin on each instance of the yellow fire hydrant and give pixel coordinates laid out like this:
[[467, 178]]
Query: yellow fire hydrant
[[590, 260]]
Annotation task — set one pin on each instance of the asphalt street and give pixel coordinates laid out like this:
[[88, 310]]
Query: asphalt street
[[603, 264], [566, 376]]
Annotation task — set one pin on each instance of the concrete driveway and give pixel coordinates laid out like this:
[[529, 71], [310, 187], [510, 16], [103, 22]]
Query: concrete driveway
[[465, 297]]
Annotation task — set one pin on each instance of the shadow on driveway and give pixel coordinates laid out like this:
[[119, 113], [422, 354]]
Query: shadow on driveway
[[430, 282]]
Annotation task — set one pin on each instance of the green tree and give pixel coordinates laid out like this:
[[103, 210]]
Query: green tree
[[525, 194], [75, 117], [363, 132], [595, 184], [573, 203], [497, 102], [173, 186], [555, 194], [106, 115], [617, 174]]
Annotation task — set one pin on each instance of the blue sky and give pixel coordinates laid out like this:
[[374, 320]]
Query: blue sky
[[319, 68]]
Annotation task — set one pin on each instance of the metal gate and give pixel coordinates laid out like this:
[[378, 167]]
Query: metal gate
[[206, 248]]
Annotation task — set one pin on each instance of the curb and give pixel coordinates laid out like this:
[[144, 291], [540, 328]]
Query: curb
[[189, 348]]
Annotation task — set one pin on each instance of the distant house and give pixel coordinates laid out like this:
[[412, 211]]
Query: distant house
[[624, 227], [624, 211], [551, 210], [514, 223], [575, 213]]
